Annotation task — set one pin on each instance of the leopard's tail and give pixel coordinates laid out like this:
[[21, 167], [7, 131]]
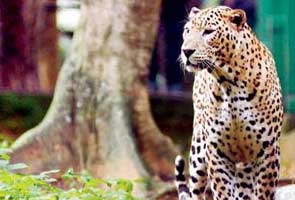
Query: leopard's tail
[[180, 180]]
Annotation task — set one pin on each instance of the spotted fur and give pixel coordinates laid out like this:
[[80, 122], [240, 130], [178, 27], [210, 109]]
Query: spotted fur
[[237, 109]]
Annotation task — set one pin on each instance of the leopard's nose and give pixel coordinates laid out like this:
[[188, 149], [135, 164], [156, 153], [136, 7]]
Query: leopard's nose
[[188, 52]]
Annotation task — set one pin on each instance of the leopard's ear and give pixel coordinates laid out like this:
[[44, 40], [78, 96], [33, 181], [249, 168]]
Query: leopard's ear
[[238, 18], [193, 12]]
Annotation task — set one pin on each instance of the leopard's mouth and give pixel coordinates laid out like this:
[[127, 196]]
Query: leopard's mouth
[[200, 64]]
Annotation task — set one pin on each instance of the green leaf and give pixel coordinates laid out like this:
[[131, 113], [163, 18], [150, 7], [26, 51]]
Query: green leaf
[[17, 166], [5, 151]]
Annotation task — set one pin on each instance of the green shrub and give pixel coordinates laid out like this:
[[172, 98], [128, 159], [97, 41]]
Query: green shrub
[[15, 186], [21, 112]]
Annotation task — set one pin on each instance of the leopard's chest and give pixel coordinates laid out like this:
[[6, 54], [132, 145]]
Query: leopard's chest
[[232, 123]]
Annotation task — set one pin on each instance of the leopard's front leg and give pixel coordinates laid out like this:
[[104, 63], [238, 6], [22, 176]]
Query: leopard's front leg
[[267, 173], [196, 189], [198, 168], [221, 173]]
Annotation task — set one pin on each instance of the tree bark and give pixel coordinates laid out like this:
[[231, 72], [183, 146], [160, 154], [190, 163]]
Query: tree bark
[[28, 46], [100, 117]]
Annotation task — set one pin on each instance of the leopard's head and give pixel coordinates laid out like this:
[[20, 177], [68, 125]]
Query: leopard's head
[[211, 34]]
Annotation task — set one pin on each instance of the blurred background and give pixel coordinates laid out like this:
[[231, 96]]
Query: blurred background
[[35, 37]]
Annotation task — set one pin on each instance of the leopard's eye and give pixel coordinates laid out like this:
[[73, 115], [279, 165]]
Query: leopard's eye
[[186, 30], [208, 31]]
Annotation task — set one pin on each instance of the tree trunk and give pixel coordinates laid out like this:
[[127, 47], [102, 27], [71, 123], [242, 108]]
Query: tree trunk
[[28, 46], [100, 117]]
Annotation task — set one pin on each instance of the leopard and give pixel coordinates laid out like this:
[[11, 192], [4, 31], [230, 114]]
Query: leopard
[[238, 110]]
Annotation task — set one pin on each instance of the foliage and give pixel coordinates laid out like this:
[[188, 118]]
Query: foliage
[[5, 141], [21, 112], [15, 186]]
